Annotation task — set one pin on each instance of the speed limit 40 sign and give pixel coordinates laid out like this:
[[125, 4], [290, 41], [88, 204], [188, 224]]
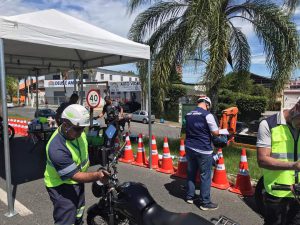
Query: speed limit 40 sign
[[93, 98]]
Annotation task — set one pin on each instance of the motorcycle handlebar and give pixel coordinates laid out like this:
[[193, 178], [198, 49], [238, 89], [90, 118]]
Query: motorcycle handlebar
[[281, 187], [116, 157]]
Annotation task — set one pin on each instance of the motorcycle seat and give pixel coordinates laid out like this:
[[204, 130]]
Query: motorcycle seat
[[156, 215]]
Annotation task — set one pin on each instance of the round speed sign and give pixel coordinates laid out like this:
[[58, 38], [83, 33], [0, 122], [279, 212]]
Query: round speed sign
[[93, 98]]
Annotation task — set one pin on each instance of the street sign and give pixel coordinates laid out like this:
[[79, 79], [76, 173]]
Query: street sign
[[93, 98]]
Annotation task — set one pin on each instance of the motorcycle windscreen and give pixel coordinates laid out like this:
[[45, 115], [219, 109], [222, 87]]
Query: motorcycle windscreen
[[110, 131]]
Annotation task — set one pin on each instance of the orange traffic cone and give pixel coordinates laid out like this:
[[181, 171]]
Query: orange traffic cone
[[182, 162], [140, 159], [154, 154], [243, 184], [167, 163], [128, 153], [220, 178]]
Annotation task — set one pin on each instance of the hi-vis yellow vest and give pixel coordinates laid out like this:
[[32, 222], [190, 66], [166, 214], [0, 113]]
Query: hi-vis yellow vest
[[79, 151], [283, 145]]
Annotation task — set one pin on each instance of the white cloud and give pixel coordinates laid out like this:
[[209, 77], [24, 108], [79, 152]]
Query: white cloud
[[245, 26], [258, 59], [110, 15]]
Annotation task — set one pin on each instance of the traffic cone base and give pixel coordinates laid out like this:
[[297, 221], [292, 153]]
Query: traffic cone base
[[243, 186], [181, 170]]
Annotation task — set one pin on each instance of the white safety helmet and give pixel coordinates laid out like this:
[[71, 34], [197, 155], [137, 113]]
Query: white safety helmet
[[204, 99], [77, 115]]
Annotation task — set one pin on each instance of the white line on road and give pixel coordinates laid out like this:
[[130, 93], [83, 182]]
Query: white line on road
[[21, 209]]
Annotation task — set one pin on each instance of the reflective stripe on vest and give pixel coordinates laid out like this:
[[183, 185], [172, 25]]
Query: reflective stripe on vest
[[283, 150], [79, 154]]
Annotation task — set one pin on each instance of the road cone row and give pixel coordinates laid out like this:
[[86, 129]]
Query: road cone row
[[20, 126], [219, 180]]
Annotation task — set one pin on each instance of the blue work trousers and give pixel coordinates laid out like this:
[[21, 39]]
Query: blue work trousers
[[203, 162]]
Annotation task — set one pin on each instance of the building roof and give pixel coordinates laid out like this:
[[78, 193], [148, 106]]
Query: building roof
[[113, 72]]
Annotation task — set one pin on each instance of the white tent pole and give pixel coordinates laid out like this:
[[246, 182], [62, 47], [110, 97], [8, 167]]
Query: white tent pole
[[11, 212], [37, 89], [149, 113], [18, 92], [81, 85]]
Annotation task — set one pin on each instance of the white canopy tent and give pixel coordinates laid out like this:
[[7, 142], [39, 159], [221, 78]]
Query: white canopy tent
[[49, 41]]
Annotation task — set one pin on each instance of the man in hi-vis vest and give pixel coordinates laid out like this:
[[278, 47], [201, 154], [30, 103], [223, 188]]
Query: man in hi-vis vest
[[67, 164], [278, 153]]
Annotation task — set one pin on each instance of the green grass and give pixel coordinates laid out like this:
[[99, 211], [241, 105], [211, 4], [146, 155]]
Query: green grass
[[14, 115], [232, 156], [232, 159]]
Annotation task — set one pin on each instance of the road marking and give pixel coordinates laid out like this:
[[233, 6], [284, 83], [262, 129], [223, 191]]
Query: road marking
[[19, 207]]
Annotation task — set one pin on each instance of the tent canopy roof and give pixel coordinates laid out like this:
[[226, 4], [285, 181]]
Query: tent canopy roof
[[51, 41]]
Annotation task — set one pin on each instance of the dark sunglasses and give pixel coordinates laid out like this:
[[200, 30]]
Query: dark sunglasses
[[77, 129]]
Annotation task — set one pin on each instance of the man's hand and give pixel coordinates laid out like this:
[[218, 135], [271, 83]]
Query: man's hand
[[103, 176], [296, 165]]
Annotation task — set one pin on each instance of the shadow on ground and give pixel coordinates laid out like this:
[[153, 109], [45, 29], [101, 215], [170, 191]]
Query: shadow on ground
[[177, 188], [27, 160]]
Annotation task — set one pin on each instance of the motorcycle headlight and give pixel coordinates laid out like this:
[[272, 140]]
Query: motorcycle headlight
[[98, 189]]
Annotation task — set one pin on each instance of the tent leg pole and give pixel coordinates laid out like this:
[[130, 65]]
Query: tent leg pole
[[81, 86], [149, 114], [74, 78], [18, 92], [11, 211], [37, 90]]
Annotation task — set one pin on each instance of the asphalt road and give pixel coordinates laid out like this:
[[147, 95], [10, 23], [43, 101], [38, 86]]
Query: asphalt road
[[28, 188], [158, 129]]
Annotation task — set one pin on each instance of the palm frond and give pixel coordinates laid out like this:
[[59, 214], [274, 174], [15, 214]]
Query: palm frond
[[150, 19], [291, 5], [133, 4], [241, 57], [278, 35]]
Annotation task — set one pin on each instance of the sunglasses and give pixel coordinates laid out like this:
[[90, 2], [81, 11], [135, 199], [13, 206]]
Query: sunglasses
[[77, 129]]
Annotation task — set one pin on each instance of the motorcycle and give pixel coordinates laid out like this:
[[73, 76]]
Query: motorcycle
[[130, 203], [11, 131], [260, 192]]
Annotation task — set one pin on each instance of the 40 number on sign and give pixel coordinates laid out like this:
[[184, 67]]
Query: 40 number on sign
[[93, 98]]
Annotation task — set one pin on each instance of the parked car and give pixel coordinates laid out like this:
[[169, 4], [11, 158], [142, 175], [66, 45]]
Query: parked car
[[44, 113], [10, 105], [142, 116]]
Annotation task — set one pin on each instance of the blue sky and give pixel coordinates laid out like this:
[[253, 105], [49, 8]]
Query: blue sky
[[112, 15]]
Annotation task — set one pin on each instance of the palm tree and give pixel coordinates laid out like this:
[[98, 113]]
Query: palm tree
[[180, 30]]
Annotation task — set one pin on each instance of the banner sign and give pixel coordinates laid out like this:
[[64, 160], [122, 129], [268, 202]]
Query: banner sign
[[60, 83], [126, 86]]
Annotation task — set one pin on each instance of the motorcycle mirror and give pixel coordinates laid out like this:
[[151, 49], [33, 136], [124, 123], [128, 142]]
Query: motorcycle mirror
[[110, 131]]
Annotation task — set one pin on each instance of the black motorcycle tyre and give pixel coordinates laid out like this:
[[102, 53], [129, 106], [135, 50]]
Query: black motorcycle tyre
[[92, 219], [12, 132]]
